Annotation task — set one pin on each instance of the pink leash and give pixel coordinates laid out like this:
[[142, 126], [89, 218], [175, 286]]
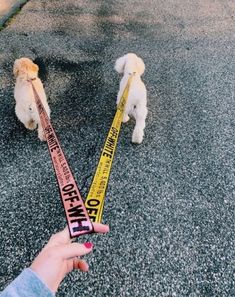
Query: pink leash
[[76, 215]]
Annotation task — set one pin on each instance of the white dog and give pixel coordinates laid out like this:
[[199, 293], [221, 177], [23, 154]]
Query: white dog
[[136, 105], [26, 110]]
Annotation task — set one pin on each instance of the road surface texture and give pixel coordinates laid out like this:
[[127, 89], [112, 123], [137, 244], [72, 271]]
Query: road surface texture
[[170, 200], [9, 8]]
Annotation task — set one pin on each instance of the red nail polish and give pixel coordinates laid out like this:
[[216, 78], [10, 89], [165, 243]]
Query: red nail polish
[[88, 245]]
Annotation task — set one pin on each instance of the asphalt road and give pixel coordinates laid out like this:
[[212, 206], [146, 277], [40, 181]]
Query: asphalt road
[[170, 201], [9, 8]]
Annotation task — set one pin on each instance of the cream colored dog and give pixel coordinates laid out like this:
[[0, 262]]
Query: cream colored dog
[[137, 99], [26, 110]]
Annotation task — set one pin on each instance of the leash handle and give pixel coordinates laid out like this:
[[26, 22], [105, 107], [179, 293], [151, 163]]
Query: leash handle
[[95, 199], [76, 215]]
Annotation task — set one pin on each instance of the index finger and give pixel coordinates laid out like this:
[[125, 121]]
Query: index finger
[[100, 228], [63, 236]]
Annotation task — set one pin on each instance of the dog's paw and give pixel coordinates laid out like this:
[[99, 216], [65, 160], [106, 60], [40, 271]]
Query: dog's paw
[[125, 118], [41, 136], [137, 137]]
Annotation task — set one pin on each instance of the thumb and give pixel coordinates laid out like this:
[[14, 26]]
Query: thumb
[[72, 250]]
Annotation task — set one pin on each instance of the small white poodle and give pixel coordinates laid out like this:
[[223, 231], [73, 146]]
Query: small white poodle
[[26, 110], [136, 105]]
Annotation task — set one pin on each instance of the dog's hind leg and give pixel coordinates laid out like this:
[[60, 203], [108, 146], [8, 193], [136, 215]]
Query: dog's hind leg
[[24, 117], [125, 117], [138, 133], [41, 135]]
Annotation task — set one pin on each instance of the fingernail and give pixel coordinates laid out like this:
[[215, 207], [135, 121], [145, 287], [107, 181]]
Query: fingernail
[[88, 245]]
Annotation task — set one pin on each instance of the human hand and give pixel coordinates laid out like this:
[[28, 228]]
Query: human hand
[[60, 256]]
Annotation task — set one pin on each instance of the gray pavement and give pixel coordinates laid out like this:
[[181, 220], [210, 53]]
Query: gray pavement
[[9, 8], [170, 201]]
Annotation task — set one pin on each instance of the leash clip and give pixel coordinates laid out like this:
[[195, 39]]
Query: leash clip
[[31, 79]]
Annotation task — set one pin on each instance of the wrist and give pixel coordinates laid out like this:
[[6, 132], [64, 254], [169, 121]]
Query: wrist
[[46, 277]]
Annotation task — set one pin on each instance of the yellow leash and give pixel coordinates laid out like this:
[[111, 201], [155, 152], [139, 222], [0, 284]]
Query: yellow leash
[[95, 198]]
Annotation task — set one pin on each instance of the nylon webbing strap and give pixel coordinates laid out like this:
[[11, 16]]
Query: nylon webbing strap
[[96, 196], [77, 217]]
